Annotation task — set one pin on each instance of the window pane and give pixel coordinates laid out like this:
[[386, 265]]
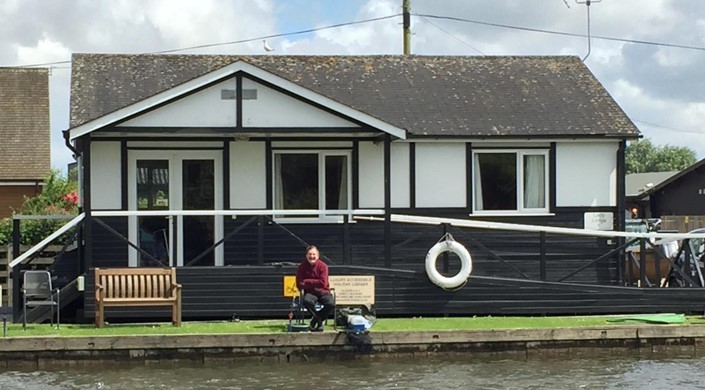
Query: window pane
[[153, 239], [496, 181], [534, 181], [153, 194], [336, 183], [198, 194], [152, 184], [296, 185], [199, 185]]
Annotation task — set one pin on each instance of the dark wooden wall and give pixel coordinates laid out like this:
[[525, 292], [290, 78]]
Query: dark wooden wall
[[108, 249], [257, 292], [495, 252], [684, 196], [507, 273]]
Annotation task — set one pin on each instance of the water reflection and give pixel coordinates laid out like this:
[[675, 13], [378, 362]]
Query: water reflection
[[418, 373]]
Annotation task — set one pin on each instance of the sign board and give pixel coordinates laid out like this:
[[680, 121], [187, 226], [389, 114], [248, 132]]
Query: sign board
[[349, 289], [599, 221], [353, 289], [290, 289]]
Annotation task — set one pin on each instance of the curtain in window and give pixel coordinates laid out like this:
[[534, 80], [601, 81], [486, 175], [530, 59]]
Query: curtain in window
[[278, 185], [534, 181], [343, 190], [477, 178]]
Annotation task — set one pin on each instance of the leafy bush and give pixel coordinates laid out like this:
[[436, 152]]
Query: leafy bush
[[59, 196]]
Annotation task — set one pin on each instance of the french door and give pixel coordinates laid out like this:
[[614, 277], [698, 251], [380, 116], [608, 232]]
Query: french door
[[175, 180]]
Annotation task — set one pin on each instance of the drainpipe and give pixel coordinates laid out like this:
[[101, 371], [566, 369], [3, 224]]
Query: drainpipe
[[67, 141], [81, 230]]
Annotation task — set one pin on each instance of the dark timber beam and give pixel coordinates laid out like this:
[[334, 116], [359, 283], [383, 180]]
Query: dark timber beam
[[387, 201]]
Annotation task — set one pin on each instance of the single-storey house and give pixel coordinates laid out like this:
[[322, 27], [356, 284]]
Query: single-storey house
[[226, 167], [24, 128], [635, 185], [680, 198]]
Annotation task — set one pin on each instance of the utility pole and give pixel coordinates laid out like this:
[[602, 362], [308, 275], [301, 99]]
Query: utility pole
[[406, 5]]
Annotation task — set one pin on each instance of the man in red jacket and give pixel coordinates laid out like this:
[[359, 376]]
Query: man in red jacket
[[312, 279]]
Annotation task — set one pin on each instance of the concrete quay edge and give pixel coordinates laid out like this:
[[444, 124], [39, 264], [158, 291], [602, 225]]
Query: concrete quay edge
[[642, 340]]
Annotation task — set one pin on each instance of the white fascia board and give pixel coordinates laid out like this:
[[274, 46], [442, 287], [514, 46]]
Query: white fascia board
[[214, 76]]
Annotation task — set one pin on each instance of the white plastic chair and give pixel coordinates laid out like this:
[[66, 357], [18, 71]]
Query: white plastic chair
[[37, 291]]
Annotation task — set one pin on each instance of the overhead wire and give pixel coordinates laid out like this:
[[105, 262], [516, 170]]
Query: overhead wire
[[642, 42], [310, 30], [451, 35], [424, 17], [669, 128], [306, 31]]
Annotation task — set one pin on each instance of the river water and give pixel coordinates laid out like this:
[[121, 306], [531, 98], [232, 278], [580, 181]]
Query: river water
[[431, 373]]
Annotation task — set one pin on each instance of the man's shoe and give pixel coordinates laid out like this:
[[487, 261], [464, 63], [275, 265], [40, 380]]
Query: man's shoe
[[316, 325]]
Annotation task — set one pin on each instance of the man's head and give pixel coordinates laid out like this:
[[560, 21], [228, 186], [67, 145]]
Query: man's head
[[312, 254]]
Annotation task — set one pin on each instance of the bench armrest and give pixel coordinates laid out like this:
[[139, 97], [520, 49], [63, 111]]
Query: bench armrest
[[98, 292]]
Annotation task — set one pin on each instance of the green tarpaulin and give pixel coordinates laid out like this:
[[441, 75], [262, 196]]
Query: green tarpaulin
[[664, 318]]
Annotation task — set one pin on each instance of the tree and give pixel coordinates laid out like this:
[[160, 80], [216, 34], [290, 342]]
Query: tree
[[643, 156], [59, 196]]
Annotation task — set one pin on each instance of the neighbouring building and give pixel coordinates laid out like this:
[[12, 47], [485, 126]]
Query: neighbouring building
[[24, 127]]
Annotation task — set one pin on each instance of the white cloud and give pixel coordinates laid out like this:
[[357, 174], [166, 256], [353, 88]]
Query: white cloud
[[8, 7], [665, 122], [45, 51]]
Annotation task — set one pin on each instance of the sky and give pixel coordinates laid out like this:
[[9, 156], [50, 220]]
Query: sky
[[659, 83]]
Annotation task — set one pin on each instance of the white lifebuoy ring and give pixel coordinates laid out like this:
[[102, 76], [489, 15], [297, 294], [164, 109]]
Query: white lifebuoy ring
[[465, 269]]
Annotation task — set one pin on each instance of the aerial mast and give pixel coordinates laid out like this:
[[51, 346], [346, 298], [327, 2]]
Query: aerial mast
[[587, 5]]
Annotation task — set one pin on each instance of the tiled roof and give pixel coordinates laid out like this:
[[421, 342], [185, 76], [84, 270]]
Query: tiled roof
[[636, 183], [685, 172], [426, 95], [24, 124]]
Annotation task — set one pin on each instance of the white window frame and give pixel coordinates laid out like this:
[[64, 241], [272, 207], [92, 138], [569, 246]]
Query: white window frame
[[175, 159], [520, 153], [322, 154]]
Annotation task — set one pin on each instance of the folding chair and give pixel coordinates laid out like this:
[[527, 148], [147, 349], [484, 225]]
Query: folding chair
[[298, 312], [37, 291]]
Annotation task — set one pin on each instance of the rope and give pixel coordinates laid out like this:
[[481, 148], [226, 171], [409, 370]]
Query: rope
[[446, 237]]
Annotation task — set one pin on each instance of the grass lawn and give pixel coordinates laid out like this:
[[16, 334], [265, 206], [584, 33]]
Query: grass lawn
[[279, 325]]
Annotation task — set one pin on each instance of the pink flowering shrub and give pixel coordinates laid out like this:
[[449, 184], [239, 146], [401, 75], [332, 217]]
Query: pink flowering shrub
[[59, 196]]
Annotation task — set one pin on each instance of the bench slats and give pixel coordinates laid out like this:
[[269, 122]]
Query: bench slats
[[137, 287]]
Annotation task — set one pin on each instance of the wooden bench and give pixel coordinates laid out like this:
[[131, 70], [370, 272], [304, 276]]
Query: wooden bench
[[135, 287], [347, 290]]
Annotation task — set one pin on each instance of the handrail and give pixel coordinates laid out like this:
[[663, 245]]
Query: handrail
[[534, 228], [48, 240], [249, 212]]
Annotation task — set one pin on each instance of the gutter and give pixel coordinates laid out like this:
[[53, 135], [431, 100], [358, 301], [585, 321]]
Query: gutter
[[67, 141]]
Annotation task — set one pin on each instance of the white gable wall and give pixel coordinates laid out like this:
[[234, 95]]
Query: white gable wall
[[202, 109], [248, 175], [440, 175], [371, 174], [401, 181], [106, 192], [275, 109], [586, 174]]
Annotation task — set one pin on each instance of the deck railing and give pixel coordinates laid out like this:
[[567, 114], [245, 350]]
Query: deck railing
[[686, 264]]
